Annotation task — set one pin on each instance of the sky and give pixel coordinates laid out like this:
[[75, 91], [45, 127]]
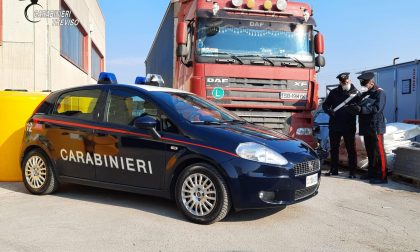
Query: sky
[[359, 34]]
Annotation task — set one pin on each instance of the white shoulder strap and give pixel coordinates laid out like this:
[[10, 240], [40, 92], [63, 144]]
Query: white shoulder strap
[[366, 97], [344, 102]]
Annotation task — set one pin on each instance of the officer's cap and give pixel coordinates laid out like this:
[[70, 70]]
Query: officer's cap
[[366, 77], [343, 76]]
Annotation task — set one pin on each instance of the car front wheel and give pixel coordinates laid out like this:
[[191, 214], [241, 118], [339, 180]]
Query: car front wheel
[[202, 195]]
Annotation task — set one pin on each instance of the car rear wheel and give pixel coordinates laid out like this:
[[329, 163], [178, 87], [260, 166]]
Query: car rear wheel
[[202, 195], [38, 174]]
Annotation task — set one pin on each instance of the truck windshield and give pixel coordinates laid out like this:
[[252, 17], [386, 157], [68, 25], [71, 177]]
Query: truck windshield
[[199, 111], [264, 39]]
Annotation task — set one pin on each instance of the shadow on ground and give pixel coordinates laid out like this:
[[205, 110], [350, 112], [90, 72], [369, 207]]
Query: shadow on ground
[[392, 184], [150, 204]]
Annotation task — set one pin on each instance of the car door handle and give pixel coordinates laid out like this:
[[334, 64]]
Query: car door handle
[[174, 148]]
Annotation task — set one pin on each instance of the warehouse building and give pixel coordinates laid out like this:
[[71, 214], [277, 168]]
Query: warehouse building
[[50, 45], [401, 84]]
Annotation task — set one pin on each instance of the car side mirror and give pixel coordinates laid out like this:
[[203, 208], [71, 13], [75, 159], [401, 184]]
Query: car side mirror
[[147, 123]]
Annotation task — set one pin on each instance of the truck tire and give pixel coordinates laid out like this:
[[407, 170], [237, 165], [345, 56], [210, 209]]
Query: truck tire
[[202, 194], [38, 173]]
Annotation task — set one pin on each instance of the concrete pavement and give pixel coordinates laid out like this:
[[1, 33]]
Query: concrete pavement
[[347, 215]]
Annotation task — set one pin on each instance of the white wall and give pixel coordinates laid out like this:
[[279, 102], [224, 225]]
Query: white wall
[[30, 53]]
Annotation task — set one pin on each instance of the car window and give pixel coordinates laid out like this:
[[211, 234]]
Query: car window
[[79, 104], [124, 107], [195, 109], [168, 125]]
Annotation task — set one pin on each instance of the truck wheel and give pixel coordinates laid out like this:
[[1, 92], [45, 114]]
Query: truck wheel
[[202, 195], [38, 174]]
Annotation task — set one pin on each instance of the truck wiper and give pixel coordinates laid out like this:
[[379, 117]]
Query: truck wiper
[[288, 57], [230, 55], [258, 56], [235, 121]]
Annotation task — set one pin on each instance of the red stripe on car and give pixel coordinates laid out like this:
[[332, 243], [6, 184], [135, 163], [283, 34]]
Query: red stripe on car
[[130, 133]]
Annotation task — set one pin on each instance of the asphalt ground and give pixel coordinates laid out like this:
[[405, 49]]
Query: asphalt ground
[[346, 215]]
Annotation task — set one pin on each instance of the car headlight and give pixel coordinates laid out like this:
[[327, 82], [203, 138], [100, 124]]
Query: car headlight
[[260, 153]]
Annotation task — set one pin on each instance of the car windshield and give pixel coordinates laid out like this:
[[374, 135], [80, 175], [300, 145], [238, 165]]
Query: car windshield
[[241, 37], [197, 110]]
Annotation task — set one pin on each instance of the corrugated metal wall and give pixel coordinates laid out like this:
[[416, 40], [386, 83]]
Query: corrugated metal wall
[[161, 56]]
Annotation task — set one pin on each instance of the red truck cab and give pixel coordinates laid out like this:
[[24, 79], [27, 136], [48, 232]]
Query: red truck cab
[[257, 58]]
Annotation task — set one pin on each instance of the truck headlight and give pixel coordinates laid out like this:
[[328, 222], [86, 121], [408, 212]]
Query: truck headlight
[[281, 5], [304, 131], [237, 3], [260, 153]]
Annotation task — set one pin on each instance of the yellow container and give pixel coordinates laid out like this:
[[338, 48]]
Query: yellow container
[[15, 110]]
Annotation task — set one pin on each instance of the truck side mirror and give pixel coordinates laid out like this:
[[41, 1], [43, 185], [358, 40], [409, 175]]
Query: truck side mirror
[[181, 39], [181, 51], [320, 61], [319, 43], [181, 33]]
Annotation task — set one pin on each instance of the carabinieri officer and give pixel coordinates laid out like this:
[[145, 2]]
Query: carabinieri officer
[[341, 105], [372, 127]]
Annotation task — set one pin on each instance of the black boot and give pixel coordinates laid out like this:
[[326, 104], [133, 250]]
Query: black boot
[[332, 172], [352, 174], [377, 181], [365, 177]]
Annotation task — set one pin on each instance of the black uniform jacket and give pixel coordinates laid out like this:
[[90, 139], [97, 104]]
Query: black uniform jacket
[[344, 119], [371, 118]]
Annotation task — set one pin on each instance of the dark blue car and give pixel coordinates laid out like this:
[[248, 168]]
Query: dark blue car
[[167, 143]]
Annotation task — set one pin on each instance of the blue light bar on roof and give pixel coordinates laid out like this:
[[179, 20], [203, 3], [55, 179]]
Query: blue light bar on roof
[[140, 80], [107, 78]]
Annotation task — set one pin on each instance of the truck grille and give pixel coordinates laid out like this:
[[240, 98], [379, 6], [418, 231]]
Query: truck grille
[[258, 83], [276, 120], [259, 100], [305, 192], [243, 92], [305, 168]]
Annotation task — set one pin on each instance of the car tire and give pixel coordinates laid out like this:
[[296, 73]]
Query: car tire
[[38, 174], [202, 194]]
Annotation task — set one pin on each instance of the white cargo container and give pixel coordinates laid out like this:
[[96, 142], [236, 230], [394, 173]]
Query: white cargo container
[[401, 84]]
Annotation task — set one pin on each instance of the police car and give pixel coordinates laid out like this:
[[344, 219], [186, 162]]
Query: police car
[[167, 143]]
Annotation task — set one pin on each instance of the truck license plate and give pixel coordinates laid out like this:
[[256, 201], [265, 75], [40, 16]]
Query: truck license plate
[[311, 180], [293, 96]]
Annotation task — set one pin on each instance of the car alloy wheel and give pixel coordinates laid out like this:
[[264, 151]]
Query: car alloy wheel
[[35, 172], [38, 173], [199, 194]]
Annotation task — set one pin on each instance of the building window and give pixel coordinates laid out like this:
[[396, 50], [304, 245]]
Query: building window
[[73, 41], [97, 62]]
